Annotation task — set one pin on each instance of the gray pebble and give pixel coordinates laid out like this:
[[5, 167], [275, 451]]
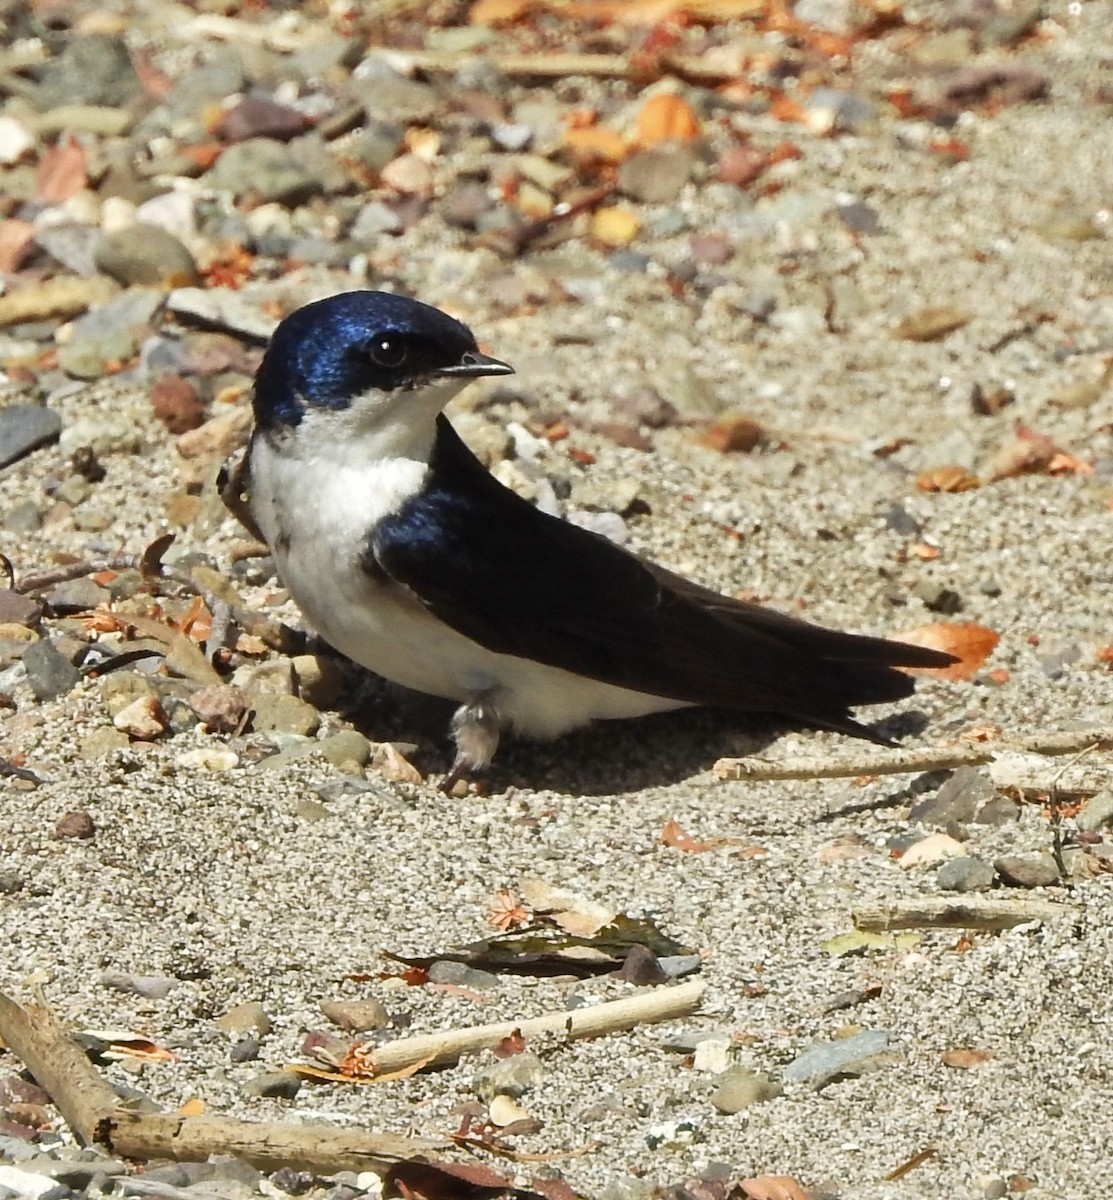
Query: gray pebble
[[26, 427], [274, 171], [742, 1087], [17, 609], [657, 175], [245, 1049], [146, 256], [286, 714], [1098, 812], [461, 975], [154, 987], [357, 1016], [513, 1077], [1026, 870], [966, 874], [24, 518], [280, 1085], [847, 1056], [73, 246], [92, 69], [999, 810], [958, 799], [349, 745], [250, 1017], [49, 673], [77, 595]]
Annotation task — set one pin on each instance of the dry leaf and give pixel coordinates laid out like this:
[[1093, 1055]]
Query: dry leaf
[[946, 479], [1028, 454], [970, 644], [62, 172], [965, 1058], [673, 835], [507, 911], [666, 117], [931, 324], [772, 1187]]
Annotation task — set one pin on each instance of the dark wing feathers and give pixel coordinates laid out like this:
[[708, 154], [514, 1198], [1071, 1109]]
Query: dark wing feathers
[[520, 582]]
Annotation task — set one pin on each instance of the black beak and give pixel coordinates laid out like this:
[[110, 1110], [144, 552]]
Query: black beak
[[473, 364]]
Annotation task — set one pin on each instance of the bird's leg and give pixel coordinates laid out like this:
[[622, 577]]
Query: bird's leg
[[475, 729]]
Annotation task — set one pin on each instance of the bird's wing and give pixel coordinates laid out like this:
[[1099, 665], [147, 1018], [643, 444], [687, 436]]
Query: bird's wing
[[520, 582]]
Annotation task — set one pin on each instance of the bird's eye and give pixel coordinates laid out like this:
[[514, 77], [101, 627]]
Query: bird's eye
[[388, 352]]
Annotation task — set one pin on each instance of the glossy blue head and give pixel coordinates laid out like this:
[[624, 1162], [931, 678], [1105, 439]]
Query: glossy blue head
[[332, 351]]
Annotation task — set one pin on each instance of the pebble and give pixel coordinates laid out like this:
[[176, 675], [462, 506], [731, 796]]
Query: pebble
[[75, 825], [279, 1085], [77, 595], [244, 1049], [712, 1055], [318, 679], [347, 746], [15, 140], [250, 1017], [1027, 870], [92, 69], [1097, 812], [958, 800], [220, 706], [49, 673], [357, 1016], [143, 719], [931, 850], [177, 403], [208, 758], [459, 974], [286, 714], [657, 175], [154, 987], [146, 256], [846, 1056], [513, 1076], [271, 171], [26, 427], [742, 1087], [966, 874], [18, 609]]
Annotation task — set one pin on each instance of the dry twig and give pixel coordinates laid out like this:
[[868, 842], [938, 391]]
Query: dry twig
[[931, 913]]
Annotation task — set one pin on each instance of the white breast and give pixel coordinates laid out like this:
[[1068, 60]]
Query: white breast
[[316, 509]]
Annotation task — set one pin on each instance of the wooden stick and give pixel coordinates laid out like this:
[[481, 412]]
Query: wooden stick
[[560, 65], [268, 1145], [59, 1066], [93, 1111], [660, 1004], [930, 913], [908, 761]]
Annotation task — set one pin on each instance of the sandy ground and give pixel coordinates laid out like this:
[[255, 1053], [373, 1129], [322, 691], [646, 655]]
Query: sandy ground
[[217, 880]]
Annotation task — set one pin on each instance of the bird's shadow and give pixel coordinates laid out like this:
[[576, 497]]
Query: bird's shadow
[[606, 758]]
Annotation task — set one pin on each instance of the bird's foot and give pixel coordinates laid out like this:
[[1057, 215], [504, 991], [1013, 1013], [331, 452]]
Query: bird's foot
[[475, 730]]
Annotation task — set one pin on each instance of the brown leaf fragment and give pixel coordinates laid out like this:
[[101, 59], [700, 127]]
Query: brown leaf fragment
[[513, 1044], [1029, 453], [772, 1187], [947, 479], [965, 1058], [971, 644], [424, 1179], [910, 1164], [931, 324], [673, 835]]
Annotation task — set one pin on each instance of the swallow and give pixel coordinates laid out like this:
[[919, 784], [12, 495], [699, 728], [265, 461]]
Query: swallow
[[408, 556]]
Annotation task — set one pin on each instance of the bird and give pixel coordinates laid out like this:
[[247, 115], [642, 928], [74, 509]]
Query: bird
[[406, 555]]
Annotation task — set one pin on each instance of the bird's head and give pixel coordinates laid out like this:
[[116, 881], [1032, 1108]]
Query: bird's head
[[378, 360]]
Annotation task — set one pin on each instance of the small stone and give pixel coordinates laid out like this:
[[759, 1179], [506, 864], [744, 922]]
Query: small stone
[[1097, 813], [392, 764], [357, 1016], [513, 1076], [17, 609], [250, 1017], [999, 810], [146, 255], [278, 1085], [1027, 870], [143, 719], [220, 706], [272, 171], [743, 1087], [11, 882], [930, 850], [734, 433], [309, 810], [293, 1183], [208, 758], [657, 175], [958, 799], [77, 595], [15, 140], [966, 874], [317, 679], [49, 673], [847, 1056], [218, 437], [465, 204], [75, 825], [93, 69], [347, 746], [23, 518], [244, 1049], [177, 403], [712, 1055], [286, 714], [258, 116], [154, 987], [26, 427], [937, 597], [103, 743], [461, 975]]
